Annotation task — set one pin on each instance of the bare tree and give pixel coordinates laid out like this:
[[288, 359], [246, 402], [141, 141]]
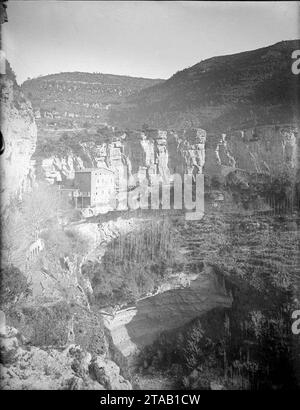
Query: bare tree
[[42, 207]]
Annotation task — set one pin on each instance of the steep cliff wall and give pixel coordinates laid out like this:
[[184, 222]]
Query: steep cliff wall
[[19, 131], [265, 149], [148, 153]]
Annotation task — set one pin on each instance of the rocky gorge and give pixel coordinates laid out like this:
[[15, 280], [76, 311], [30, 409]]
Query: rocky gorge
[[76, 270]]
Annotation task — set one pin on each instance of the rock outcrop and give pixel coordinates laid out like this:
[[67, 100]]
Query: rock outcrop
[[54, 277], [19, 131], [134, 328], [107, 373], [25, 367], [263, 149], [187, 151], [146, 153]]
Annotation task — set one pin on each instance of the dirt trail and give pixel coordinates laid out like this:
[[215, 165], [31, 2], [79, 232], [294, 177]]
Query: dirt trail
[[155, 382]]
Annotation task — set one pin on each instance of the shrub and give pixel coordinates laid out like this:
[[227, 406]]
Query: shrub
[[193, 351], [47, 326], [13, 286]]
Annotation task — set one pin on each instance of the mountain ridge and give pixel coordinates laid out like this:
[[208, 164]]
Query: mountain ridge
[[79, 95], [63, 73], [224, 92]]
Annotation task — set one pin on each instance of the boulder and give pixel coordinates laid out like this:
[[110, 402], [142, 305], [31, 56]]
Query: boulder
[[72, 368], [107, 373], [214, 385]]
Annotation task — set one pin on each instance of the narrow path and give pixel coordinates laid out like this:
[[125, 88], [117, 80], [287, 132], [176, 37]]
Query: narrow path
[[155, 382]]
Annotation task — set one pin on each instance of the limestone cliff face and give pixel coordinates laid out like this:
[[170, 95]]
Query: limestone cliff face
[[187, 151], [19, 131], [147, 153], [264, 149], [56, 168]]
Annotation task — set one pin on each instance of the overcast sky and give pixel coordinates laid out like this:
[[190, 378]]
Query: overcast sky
[[144, 39]]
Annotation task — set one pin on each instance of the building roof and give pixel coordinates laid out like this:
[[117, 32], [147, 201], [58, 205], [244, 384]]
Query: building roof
[[62, 188], [90, 170]]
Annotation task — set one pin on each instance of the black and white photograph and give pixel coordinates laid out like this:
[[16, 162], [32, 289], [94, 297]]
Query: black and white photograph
[[150, 198]]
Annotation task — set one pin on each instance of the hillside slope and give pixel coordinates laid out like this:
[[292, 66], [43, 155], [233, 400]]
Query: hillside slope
[[222, 93], [80, 95]]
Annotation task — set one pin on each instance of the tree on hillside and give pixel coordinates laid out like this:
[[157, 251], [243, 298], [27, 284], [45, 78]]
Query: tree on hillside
[[15, 238], [41, 207]]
